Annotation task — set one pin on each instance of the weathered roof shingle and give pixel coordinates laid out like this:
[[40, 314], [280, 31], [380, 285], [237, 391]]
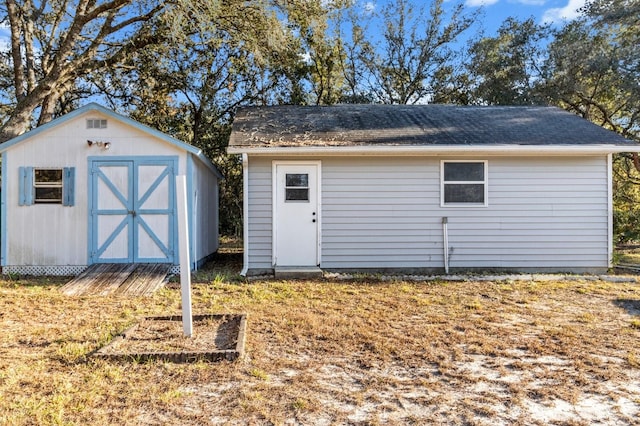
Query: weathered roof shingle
[[406, 125]]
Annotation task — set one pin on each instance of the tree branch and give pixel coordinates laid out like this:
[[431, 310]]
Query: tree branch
[[14, 15]]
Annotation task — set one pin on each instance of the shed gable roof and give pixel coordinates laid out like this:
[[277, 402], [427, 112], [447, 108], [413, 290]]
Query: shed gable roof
[[197, 152], [414, 126]]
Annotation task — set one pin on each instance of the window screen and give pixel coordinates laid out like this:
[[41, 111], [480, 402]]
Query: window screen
[[464, 183]]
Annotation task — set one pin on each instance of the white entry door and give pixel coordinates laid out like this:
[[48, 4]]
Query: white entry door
[[296, 214]]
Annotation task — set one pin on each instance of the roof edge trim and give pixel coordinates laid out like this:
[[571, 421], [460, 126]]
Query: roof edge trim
[[93, 106], [437, 150]]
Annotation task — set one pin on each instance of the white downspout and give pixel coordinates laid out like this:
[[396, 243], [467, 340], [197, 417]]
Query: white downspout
[[245, 214], [609, 210], [445, 235]]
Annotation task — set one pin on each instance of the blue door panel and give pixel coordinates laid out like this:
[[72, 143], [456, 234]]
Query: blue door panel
[[133, 223]]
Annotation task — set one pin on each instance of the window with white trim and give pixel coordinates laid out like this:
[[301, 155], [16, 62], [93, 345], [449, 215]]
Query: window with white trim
[[463, 183], [47, 184]]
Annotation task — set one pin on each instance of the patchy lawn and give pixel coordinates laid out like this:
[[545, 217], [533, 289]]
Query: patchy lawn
[[330, 352], [629, 255]]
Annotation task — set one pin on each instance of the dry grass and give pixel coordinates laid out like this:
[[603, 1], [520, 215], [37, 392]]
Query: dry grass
[[165, 335], [629, 255], [327, 352]]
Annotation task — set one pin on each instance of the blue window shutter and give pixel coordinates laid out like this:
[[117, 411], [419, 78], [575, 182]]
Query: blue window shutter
[[21, 190], [68, 186], [25, 186]]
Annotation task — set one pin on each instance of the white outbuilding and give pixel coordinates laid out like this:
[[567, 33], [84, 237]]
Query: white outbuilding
[[93, 187]]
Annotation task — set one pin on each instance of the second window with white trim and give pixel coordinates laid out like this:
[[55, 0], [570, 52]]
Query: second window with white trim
[[464, 183]]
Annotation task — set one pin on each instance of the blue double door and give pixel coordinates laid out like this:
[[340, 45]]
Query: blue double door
[[132, 216]]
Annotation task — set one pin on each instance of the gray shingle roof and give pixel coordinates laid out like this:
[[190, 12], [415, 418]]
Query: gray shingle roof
[[406, 125]]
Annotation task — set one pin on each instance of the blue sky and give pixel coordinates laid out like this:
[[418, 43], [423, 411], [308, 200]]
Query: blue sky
[[543, 11], [496, 11]]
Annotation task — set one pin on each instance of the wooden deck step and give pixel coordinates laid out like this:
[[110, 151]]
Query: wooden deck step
[[118, 278], [145, 280]]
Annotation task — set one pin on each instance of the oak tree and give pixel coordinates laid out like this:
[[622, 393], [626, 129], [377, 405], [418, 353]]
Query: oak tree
[[55, 42]]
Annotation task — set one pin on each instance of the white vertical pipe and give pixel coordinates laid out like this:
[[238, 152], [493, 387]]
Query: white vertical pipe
[[183, 248], [245, 214], [445, 235], [609, 210]]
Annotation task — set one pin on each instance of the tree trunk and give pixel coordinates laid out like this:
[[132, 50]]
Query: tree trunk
[[13, 13], [50, 102], [636, 161], [19, 120], [17, 123]]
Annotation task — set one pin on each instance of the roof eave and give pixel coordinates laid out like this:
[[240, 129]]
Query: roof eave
[[197, 152], [387, 150], [208, 164]]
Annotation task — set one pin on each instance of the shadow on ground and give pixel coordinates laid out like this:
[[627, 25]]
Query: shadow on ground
[[631, 305]]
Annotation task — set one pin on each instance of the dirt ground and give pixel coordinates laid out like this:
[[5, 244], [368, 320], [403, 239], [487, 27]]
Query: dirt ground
[[357, 352], [166, 335]]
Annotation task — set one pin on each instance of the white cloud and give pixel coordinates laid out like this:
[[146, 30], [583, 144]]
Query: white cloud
[[531, 2], [478, 3], [369, 8], [558, 14]]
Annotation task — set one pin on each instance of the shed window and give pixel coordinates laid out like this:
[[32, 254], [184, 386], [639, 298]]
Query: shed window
[[47, 186], [297, 187], [464, 183]]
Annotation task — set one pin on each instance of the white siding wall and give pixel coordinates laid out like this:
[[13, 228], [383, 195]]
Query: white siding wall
[[53, 234], [543, 213], [205, 199], [381, 213]]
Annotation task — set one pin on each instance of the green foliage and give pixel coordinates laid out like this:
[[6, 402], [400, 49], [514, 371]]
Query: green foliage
[[505, 68], [321, 52], [626, 196], [416, 52]]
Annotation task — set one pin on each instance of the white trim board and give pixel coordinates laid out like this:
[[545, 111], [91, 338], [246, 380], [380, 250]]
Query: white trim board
[[437, 150]]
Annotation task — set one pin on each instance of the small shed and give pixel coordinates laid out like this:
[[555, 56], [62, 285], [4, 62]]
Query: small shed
[[93, 187], [425, 188]]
